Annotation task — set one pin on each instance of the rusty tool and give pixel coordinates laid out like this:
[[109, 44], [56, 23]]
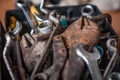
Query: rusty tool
[[42, 59], [10, 43], [32, 50], [111, 45], [73, 71], [91, 61], [44, 55], [100, 17], [81, 31], [60, 55]]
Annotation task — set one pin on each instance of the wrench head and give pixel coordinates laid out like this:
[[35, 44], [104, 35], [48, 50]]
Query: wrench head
[[85, 55], [110, 46], [53, 18]]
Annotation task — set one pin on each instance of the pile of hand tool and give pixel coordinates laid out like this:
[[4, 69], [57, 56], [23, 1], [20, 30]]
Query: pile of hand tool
[[58, 43]]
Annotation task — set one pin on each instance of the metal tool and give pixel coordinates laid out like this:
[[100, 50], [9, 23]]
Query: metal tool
[[59, 59], [36, 15], [17, 29], [91, 61], [32, 50], [43, 9], [10, 43], [45, 27], [53, 19], [21, 6], [101, 17], [87, 11], [73, 71], [44, 55], [114, 76], [20, 68], [111, 45], [38, 18]]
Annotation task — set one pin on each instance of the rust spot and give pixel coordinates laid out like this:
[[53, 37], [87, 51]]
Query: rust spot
[[74, 35]]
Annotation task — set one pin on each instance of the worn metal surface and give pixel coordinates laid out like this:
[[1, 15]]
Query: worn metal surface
[[101, 17], [76, 67], [59, 59], [60, 55], [41, 61], [83, 30], [31, 50], [44, 55]]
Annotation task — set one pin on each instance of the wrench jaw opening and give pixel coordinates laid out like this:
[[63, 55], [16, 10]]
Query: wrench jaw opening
[[91, 61], [81, 52]]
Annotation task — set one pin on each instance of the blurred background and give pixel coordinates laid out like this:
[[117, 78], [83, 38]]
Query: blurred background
[[106, 6]]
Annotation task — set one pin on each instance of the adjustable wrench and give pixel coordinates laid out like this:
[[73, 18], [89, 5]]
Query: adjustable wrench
[[91, 61], [114, 58]]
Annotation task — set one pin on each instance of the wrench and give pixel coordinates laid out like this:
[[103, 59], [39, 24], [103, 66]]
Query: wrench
[[44, 55], [114, 58], [21, 6], [45, 11], [10, 43], [60, 55], [91, 61], [16, 32]]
